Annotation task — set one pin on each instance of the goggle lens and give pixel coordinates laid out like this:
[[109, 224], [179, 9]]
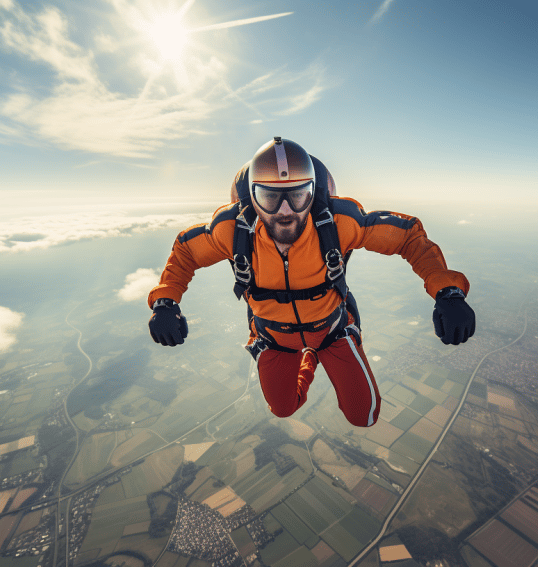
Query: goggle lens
[[270, 199]]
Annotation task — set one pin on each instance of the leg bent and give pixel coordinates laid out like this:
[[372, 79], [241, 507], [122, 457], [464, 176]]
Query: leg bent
[[285, 378], [348, 369]]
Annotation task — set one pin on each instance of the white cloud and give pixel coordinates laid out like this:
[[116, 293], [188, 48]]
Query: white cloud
[[9, 323], [381, 11], [74, 106], [464, 222], [32, 233], [138, 284]]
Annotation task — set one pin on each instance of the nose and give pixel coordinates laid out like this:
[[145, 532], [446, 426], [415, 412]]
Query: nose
[[285, 208]]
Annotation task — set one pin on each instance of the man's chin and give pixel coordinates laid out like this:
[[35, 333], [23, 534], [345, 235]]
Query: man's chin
[[285, 233]]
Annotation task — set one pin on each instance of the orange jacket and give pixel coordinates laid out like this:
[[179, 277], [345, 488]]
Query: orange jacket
[[384, 232]]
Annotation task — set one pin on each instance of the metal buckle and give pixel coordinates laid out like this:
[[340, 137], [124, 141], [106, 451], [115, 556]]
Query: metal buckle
[[241, 261], [335, 264], [325, 221]]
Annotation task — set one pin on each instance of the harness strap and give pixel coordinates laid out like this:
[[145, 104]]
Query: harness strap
[[290, 328], [284, 296]]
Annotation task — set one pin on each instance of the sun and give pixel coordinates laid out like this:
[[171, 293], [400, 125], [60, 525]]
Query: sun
[[169, 35]]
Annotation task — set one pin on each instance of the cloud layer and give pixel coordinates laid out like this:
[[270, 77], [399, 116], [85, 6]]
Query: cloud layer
[[138, 284], [153, 101], [10, 321], [33, 233]]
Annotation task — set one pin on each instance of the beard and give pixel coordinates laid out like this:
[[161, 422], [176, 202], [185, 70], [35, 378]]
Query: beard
[[285, 229]]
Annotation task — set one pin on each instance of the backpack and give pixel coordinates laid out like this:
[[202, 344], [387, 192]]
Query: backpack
[[322, 215]]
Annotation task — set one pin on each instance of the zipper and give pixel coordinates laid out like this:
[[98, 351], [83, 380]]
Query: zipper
[[294, 305]]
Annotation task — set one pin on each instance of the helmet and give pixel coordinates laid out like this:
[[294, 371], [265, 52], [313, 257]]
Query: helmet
[[281, 169], [281, 161]]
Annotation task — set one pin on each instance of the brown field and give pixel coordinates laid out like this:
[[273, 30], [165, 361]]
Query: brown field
[[201, 477], [439, 415], [225, 501], [513, 424], [500, 400], [442, 502], [426, 429], [22, 496], [322, 551], [523, 518], [244, 462], [394, 553], [322, 452], [5, 496], [451, 404], [383, 433], [151, 547], [371, 494], [350, 475], [6, 525], [122, 453], [92, 459], [29, 522], [194, 452], [503, 546], [137, 528]]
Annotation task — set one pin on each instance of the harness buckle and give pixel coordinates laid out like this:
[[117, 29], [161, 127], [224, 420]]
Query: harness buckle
[[335, 264], [282, 296], [242, 268], [329, 217]]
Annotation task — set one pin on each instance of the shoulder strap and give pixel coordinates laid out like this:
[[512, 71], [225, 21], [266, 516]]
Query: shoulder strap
[[322, 216]]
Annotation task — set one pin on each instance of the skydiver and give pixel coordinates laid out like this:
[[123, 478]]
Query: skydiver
[[300, 311]]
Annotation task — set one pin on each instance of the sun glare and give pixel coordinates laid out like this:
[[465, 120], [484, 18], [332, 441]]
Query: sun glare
[[169, 35]]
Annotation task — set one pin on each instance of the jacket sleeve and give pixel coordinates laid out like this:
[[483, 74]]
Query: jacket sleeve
[[390, 233], [199, 246]]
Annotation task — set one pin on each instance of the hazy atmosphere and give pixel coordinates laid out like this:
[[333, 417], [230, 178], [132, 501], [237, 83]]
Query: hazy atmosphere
[[123, 122]]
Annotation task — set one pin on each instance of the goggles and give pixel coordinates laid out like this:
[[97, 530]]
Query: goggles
[[270, 199]]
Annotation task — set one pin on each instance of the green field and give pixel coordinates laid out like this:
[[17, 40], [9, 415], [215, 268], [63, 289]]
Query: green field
[[339, 538], [302, 557], [412, 446], [328, 497], [283, 545], [317, 518], [421, 404], [109, 520], [405, 419], [291, 522]]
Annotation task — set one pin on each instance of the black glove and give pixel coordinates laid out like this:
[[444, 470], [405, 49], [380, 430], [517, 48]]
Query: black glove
[[167, 325], [453, 319]]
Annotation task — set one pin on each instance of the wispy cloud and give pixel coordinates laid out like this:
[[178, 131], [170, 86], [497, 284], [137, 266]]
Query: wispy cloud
[[380, 12], [153, 103], [463, 221], [138, 284], [243, 22], [10, 321], [34, 233]]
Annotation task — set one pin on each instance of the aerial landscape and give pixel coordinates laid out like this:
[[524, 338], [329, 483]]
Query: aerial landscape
[[115, 451], [125, 122]]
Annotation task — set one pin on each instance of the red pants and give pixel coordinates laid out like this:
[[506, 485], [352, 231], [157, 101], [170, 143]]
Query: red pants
[[285, 381]]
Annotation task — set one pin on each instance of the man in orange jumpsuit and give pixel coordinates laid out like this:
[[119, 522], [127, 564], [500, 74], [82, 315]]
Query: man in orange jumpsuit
[[288, 337]]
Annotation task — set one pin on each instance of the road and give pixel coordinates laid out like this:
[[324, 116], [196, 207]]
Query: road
[[422, 468]]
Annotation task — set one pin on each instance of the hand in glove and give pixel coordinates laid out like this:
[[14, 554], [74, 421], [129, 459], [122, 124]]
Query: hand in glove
[[453, 318], [167, 325]]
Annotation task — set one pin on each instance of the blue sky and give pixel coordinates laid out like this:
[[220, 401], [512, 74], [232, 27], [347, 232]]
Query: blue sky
[[146, 100]]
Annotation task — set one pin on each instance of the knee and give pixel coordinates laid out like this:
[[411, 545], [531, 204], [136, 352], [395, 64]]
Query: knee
[[360, 419], [283, 411]]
